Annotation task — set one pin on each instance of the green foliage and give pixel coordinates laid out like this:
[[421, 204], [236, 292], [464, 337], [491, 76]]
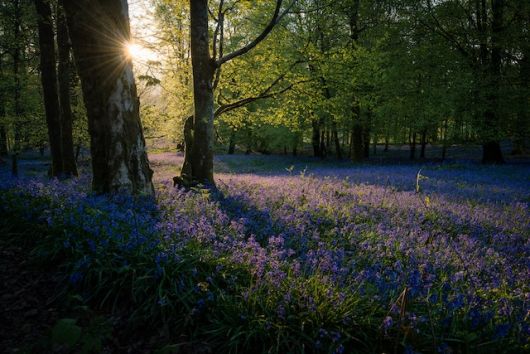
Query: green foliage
[[88, 339], [409, 68], [67, 332]]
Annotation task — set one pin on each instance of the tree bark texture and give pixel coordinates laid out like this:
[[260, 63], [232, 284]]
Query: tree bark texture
[[3, 130], [491, 150], [64, 72], [17, 59], [366, 140], [357, 151], [357, 134], [49, 83], [188, 144], [203, 70], [315, 139], [522, 130], [3, 141], [99, 31]]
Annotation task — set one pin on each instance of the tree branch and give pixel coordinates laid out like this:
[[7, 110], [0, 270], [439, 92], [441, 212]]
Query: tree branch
[[221, 48], [440, 30], [216, 32], [263, 95], [274, 20]]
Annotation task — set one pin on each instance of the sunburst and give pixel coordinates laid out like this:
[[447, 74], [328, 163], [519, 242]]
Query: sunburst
[[139, 53]]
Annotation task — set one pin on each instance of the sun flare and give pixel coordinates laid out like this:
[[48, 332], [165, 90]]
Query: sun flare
[[138, 52]]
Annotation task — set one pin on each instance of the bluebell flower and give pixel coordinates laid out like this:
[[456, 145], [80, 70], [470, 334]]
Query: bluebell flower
[[387, 323]]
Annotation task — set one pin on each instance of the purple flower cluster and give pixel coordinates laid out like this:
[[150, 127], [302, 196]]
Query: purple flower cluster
[[451, 257]]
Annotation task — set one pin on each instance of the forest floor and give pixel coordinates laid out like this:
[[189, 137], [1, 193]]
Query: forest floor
[[28, 294], [430, 204]]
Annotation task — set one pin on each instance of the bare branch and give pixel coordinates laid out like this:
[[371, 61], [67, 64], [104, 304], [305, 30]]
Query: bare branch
[[274, 20], [439, 29], [221, 46], [234, 105], [216, 32], [266, 93]]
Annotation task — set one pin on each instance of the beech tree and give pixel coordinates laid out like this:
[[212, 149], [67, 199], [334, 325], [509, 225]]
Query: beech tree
[[99, 31], [49, 83], [206, 71], [64, 78]]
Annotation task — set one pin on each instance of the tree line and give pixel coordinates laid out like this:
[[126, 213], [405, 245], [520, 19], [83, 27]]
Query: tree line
[[341, 76], [346, 75]]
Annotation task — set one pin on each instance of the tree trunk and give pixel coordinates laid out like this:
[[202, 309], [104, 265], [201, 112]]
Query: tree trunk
[[188, 145], [77, 152], [374, 149], [357, 142], [366, 141], [444, 141], [295, 144], [357, 151], [367, 124], [14, 164], [491, 150], [3, 130], [323, 148], [63, 71], [350, 145], [386, 143], [232, 143], [412, 142], [49, 83], [3, 140], [203, 70], [336, 140], [316, 137], [17, 87], [491, 153], [423, 142], [522, 129], [99, 31]]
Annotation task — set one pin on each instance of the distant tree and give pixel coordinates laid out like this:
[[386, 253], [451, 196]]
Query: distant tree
[[17, 56], [475, 29], [357, 151], [3, 128], [99, 31], [22, 123], [49, 83], [64, 81], [522, 37]]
